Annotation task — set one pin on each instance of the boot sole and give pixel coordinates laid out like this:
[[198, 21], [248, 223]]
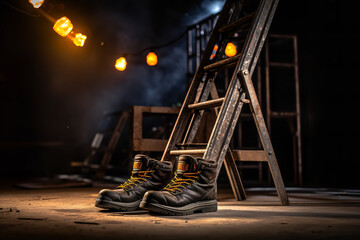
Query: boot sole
[[196, 207], [119, 206]]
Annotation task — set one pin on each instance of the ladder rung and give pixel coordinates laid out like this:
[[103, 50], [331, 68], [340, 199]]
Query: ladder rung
[[189, 152], [250, 166], [77, 164], [242, 22], [207, 104], [191, 144], [281, 64], [91, 166], [283, 114], [228, 62], [249, 155]]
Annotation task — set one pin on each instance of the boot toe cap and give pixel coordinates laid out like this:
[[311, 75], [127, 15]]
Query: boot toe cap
[[155, 197], [107, 194]]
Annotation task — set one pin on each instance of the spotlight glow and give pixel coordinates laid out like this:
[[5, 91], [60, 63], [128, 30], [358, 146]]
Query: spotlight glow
[[216, 7]]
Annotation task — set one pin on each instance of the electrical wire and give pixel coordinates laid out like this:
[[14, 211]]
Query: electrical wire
[[152, 48], [160, 46]]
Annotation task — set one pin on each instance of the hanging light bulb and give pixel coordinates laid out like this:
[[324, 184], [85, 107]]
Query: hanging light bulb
[[79, 39], [151, 59], [36, 3], [230, 50], [120, 64], [63, 26]]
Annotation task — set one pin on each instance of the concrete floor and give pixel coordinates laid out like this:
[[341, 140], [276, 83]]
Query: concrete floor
[[69, 213]]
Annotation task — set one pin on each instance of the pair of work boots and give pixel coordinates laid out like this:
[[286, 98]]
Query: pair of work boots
[[191, 190]]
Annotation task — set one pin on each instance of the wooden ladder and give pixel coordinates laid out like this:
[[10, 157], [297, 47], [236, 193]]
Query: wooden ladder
[[247, 21], [106, 150]]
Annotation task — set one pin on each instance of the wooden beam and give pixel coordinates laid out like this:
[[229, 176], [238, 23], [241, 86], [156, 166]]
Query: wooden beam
[[249, 155]]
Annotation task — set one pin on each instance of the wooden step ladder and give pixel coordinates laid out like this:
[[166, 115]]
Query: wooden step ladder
[[249, 21], [104, 148]]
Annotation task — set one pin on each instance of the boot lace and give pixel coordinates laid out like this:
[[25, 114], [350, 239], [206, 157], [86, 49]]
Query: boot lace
[[177, 183], [134, 181]]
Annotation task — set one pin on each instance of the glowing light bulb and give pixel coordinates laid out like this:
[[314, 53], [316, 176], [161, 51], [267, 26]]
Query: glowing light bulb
[[63, 26], [230, 50], [36, 3], [151, 59], [216, 47], [120, 64], [79, 39]]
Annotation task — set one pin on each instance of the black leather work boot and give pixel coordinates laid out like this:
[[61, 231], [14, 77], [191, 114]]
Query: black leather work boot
[[193, 189], [148, 174]]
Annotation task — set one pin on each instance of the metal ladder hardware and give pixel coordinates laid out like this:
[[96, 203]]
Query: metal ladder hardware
[[246, 23]]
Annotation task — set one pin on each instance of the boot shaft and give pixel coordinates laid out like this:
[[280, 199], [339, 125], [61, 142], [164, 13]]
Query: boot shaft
[[194, 174], [206, 169], [159, 171]]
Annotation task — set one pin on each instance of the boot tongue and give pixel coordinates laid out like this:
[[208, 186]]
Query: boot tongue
[[141, 163], [186, 164]]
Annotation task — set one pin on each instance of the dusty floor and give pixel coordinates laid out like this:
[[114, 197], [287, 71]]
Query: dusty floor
[[70, 214]]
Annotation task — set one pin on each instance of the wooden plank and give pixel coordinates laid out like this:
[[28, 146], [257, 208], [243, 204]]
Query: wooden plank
[[207, 104], [249, 155], [228, 62], [91, 166], [146, 144], [157, 109], [281, 64], [149, 145], [189, 152]]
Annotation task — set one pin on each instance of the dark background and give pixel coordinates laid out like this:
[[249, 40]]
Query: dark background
[[53, 95]]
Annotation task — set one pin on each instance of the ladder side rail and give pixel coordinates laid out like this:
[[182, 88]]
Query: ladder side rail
[[262, 36], [194, 126], [195, 122], [216, 149], [265, 138], [224, 126], [298, 116], [184, 116], [234, 177], [257, 36], [197, 116]]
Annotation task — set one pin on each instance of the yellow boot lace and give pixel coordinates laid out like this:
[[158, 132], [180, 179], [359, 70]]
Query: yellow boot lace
[[177, 183], [133, 181]]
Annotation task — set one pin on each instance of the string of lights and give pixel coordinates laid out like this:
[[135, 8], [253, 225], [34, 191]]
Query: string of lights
[[151, 57], [64, 28]]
